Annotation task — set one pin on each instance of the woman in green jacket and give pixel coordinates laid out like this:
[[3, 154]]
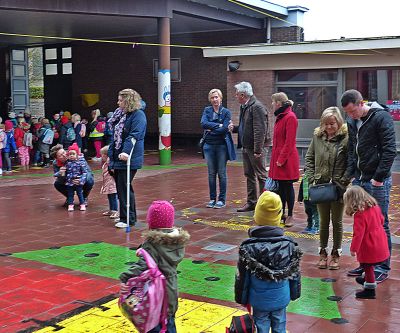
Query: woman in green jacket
[[326, 161]]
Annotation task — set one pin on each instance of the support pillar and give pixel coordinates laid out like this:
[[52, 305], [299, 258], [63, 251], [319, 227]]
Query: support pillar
[[164, 92]]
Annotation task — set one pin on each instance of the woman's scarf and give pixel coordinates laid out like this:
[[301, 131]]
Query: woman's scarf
[[282, 109], [117, 123]]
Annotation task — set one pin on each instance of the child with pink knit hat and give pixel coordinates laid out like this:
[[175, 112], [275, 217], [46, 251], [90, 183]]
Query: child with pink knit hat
[[166, 244]]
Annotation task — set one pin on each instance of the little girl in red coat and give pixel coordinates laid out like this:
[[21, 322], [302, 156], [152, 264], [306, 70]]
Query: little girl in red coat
[[369, 238]]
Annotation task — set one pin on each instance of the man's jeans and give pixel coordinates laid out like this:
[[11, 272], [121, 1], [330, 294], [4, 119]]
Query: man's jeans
[[266, 319], [382, 196], [216, 156]]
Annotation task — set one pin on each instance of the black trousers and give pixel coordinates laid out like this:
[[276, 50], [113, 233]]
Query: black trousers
[[120, 177]]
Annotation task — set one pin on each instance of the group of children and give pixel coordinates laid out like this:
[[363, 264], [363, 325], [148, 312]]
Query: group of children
[[30, 137], [269, 261]]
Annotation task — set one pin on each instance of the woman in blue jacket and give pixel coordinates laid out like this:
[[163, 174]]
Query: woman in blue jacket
[[128, 122], [218, 146]]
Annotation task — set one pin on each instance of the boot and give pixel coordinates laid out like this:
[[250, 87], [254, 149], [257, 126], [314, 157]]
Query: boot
[[334, 262], [323, 259], [366, 294], [289, 222]]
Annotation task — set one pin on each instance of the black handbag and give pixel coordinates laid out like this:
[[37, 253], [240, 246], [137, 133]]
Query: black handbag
[[321, 193], [325, 192]]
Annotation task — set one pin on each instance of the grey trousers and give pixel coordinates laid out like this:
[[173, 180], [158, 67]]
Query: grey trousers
[[255, 172]]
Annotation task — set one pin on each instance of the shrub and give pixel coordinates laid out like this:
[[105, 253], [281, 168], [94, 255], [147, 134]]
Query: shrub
[[36, 92]]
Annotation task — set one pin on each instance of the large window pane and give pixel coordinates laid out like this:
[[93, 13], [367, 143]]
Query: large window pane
[[307, 75], [309, 102], [365, 81]]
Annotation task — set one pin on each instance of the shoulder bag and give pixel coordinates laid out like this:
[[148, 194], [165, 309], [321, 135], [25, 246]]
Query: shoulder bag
[[325, 192]]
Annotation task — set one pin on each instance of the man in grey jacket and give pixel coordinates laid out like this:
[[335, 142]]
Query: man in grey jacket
[[253, 137]]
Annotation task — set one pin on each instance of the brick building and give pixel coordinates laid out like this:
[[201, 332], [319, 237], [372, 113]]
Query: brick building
[[73, 68]]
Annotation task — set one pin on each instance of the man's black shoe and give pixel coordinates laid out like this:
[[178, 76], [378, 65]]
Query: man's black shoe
[[246, 208], [356, 271]]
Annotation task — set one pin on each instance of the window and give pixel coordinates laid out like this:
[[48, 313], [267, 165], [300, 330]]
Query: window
[[58, 61], [365, 81], [51, 69], [311, 91], [377, 84], [50, 54], [175, 70]]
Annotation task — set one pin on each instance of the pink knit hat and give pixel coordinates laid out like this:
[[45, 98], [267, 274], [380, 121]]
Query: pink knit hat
[[9, 125], [160, 215]]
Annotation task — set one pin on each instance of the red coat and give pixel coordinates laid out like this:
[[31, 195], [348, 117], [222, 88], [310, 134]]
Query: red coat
[[369, 238], [284, 148], [19, 137]]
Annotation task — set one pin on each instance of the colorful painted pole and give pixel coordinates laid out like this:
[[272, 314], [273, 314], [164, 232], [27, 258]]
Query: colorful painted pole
[[164, 92]]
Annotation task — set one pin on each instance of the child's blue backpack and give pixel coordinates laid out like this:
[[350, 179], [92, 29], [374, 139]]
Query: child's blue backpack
[[71, 136], [48, 136]]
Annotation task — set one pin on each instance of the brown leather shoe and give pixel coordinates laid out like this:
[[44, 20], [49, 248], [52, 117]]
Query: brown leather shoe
[[246, 208]]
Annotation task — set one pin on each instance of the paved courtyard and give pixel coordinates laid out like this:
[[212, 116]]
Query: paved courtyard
[[59, 270]]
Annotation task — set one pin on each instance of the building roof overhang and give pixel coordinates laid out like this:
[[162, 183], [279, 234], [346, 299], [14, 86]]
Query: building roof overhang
[[320, 46]]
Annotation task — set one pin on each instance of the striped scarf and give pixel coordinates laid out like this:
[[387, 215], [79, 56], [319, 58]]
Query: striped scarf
[[117, 122]]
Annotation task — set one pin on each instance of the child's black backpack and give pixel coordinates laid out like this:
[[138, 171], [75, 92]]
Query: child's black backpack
[[241, 324]]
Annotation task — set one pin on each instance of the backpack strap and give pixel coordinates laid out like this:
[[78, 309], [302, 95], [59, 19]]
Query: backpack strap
[[164, 310], [147, 257]]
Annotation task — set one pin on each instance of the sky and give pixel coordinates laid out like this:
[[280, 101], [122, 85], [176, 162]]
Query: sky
[[331, 19]]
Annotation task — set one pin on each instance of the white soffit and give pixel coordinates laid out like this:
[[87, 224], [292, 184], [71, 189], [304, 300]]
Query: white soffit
[[353, 45]]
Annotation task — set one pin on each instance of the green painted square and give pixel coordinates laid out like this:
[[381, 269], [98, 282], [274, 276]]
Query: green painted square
[[112, 259], [313, 301]]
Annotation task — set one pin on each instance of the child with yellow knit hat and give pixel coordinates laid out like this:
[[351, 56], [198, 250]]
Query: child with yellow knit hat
[[267, 261]]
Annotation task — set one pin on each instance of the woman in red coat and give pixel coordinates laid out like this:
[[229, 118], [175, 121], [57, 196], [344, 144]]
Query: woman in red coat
[[284, 164], [369, 238]]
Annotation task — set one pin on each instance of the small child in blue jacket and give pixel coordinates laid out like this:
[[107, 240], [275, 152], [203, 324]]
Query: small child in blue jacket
[[267, 260], [76, 175]]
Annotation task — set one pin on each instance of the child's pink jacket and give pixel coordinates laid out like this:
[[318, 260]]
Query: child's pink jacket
[[109, 186]]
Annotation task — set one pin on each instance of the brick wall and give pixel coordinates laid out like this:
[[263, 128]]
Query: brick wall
[[106, 69], [287, 34], [263, 87]]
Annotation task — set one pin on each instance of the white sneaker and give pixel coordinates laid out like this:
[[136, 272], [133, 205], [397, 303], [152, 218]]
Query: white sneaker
[[1, 172], [121, 225]]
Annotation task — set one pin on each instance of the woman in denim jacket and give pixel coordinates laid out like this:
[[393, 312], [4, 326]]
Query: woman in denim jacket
[[218, 146]]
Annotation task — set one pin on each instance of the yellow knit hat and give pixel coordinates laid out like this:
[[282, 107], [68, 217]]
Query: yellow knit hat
[[268, 209]]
